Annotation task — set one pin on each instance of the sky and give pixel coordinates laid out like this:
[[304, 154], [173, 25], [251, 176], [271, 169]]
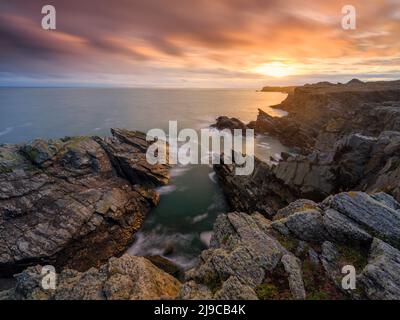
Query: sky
[[197, 43]]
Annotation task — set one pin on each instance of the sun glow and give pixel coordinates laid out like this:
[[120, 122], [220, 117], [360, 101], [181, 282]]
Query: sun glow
[[274, 69]]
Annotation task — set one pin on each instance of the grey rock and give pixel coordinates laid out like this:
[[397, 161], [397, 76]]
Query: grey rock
[[329, 258], [386, 199], [380, 279], [374, 216], [314, 256], [260, 192], [281, 227], [191, 290], [233, 289], [59, 197], [344, 230], [292, 266], [306, 225], [295, 206], [125, 278], [242, 257]]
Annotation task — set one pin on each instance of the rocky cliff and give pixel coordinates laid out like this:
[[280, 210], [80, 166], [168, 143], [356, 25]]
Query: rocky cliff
[[75, 201], [293, 228], [348, 139], [322, 113]]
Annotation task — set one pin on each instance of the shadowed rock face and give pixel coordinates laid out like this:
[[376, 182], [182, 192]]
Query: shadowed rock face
[[124, 278], [261, 191], [75, 201]]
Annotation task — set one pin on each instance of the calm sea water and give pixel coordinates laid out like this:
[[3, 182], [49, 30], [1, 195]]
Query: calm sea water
[[180, 226]]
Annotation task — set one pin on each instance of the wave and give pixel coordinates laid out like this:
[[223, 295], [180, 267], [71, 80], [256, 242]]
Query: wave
[[6, 131], [213, 177], [168, 245], [166, 189], [264, 145], [179, 171], [200, 217]]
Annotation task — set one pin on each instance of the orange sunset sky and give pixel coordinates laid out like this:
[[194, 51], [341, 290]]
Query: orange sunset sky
[[197, 43]]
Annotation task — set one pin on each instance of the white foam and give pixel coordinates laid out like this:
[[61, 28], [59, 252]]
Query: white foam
[[277, 156], [179, 171], [6, 131], [213, 177], [200, 217], [166, 189], [205, 238]]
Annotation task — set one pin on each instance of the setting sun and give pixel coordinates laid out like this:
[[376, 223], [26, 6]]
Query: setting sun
[[274, 69]]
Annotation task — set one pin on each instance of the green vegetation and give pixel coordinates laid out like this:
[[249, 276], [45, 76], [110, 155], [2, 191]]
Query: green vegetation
[[226, 238], [351, 255], [5, 170], [317, 285], [31, 153], [289, 243], [267, 291], [213, 281], [318, 295], [275, 285]]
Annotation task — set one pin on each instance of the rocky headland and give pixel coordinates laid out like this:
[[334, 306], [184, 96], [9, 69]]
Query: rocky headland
[[75, 201], [342, 179], [287, 89]]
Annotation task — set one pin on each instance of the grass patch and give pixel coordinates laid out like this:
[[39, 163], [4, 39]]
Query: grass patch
[[275, 285], [213, 281], [31, 153], [317, 285], [355, 256], [5, 170], [289, 243], [225, 239]]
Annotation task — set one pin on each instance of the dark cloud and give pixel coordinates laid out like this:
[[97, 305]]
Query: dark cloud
[[143, 37]]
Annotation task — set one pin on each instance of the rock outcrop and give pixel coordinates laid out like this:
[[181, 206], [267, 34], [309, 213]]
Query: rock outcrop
[[300, 253], [327, 112], [224, 122], [124, 278], [349, 138], [75, 201], [288, 89]]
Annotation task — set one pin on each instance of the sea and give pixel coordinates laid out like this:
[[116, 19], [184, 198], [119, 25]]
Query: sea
[[180, 227]]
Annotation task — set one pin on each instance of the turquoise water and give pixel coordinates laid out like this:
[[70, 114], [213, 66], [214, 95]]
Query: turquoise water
[[180, 226]]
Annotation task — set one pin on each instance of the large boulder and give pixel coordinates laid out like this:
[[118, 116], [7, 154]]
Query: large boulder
[[242, 256]]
